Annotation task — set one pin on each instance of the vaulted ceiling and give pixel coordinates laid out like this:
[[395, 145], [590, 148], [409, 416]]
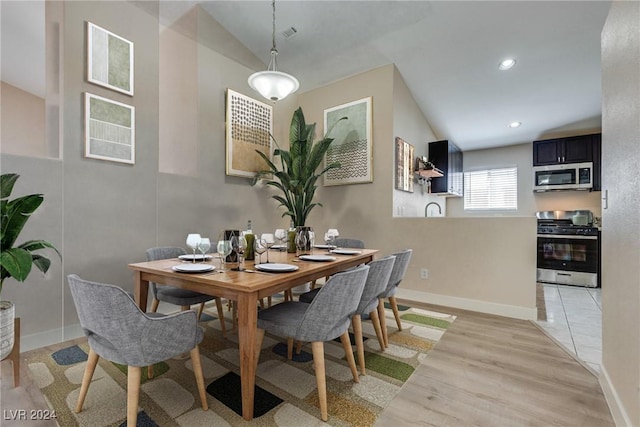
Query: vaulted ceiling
[[448, 54]]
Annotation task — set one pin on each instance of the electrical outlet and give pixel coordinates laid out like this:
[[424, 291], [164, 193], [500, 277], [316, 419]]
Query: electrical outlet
[[424, 273]]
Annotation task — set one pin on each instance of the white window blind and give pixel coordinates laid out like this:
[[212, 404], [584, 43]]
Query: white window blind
[[492, 189]]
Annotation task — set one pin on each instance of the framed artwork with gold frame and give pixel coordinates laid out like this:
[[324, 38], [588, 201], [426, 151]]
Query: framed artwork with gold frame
[[249, 128]]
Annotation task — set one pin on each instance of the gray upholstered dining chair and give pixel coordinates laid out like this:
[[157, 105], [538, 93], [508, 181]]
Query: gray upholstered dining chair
[[345, 242], [117, 330], [397, 274], [325, 319], [377, 279], [182, 297]]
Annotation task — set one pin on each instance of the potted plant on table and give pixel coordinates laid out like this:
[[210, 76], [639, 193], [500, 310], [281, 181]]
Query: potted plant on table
[[16, 261], [297, 175]]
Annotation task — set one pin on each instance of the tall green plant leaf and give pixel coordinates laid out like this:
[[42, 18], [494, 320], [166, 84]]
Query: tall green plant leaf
[[15, 215], [16, 262], [6, 184]]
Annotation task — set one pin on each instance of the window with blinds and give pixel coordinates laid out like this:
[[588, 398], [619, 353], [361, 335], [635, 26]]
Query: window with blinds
[[492, 189]]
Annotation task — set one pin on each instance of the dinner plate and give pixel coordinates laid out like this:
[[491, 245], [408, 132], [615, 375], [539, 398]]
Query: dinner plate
[[346, 251], [279, 247], [276, 268], [324, 246], [197, 257], [193, 268], [321, 258]]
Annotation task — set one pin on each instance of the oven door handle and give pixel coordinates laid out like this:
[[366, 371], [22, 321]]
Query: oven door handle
[[567, 236]]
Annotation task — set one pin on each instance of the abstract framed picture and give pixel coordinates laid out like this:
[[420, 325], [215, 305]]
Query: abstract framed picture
[[109, 129], [109, 59], [249, 128], [404, 165], [352, 144]]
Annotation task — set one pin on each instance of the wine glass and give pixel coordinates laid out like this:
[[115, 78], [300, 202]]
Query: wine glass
[[192, 242], [267, 239], [301, 242], [259, 248], [223, 248], [203, 246], [329, 239], [281, 236], [239, 245]]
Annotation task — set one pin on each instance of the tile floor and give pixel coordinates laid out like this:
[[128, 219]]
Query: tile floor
[[574, 318]]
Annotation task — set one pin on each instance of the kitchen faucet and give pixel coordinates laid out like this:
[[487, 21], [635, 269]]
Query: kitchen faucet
[[426, 208]]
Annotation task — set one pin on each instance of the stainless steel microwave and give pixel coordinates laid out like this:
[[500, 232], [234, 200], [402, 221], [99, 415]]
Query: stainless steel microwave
[[571, 176]]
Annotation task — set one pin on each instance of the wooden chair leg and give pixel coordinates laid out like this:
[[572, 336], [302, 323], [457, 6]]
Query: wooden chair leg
[[197, 370], [290, 348], [234, 316], [383, 322], [223, 326], [348, 351], [185, 307], [268, 301], [396, 314], [375, 319], [313, 285], [298, 347], [92, 361], [356, 322], [133, 394], [154, 305], [261, 303], [200, 310], [317, 348], [288, 295]]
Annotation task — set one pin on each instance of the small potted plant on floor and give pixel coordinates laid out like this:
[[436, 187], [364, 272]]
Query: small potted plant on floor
[[16, 261]]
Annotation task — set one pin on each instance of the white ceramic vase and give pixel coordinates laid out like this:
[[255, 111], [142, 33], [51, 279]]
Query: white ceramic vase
[[7, 315]]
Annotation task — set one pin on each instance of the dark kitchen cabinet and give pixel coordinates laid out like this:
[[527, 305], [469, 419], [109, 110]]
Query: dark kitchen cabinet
[[574, 149], [447, 157]]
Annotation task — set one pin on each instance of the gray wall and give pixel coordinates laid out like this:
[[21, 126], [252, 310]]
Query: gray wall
[[620, 375]]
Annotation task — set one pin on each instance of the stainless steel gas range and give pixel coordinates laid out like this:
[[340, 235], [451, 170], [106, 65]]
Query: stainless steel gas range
[[568, 248]]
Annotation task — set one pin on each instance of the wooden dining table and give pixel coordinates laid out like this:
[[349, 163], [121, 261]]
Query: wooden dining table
[[246, 288]]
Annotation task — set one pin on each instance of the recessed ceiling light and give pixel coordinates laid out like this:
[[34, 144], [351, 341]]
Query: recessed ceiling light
[[514, 124], [506, 64]]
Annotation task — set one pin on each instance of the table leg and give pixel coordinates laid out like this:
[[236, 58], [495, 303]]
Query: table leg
[[140, 291], [247, 325]]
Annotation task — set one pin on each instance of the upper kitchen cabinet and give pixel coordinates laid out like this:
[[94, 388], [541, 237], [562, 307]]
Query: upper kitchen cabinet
[[574, 149], [447, 157]]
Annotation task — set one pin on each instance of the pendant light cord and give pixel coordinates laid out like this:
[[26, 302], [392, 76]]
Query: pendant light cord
[[273, 32]]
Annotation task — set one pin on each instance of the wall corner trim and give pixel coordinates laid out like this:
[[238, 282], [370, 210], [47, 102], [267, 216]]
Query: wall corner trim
[[620, 416]]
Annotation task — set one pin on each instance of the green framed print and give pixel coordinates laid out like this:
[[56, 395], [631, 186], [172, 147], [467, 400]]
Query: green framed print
[[109, 59], [109, 130], [352, 145]]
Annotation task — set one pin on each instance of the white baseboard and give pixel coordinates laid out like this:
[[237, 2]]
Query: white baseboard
[[515, 311], [50, 337], [620, 417]]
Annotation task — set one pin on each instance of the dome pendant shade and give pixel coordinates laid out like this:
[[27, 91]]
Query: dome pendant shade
[[273, 85]]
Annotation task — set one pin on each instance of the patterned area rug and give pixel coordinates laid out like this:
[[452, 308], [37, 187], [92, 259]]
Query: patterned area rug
[[286, 392]]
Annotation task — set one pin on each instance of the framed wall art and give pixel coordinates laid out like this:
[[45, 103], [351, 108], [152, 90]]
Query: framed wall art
[[109, 129], [109, 59], [352, 146], [249, 128], [404, 165]]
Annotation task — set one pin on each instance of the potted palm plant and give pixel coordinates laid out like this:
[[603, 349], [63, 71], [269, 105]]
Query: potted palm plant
[[298, 174], [16, 261]]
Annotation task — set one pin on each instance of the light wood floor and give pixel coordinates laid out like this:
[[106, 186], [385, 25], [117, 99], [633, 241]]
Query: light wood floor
[[486, 371], [497, 371]]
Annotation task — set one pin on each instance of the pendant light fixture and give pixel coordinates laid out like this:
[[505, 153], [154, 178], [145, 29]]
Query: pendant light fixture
[[273, 84]]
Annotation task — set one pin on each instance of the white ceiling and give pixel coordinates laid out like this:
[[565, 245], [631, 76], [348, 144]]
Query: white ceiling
[[446, 51], [448, 54]]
